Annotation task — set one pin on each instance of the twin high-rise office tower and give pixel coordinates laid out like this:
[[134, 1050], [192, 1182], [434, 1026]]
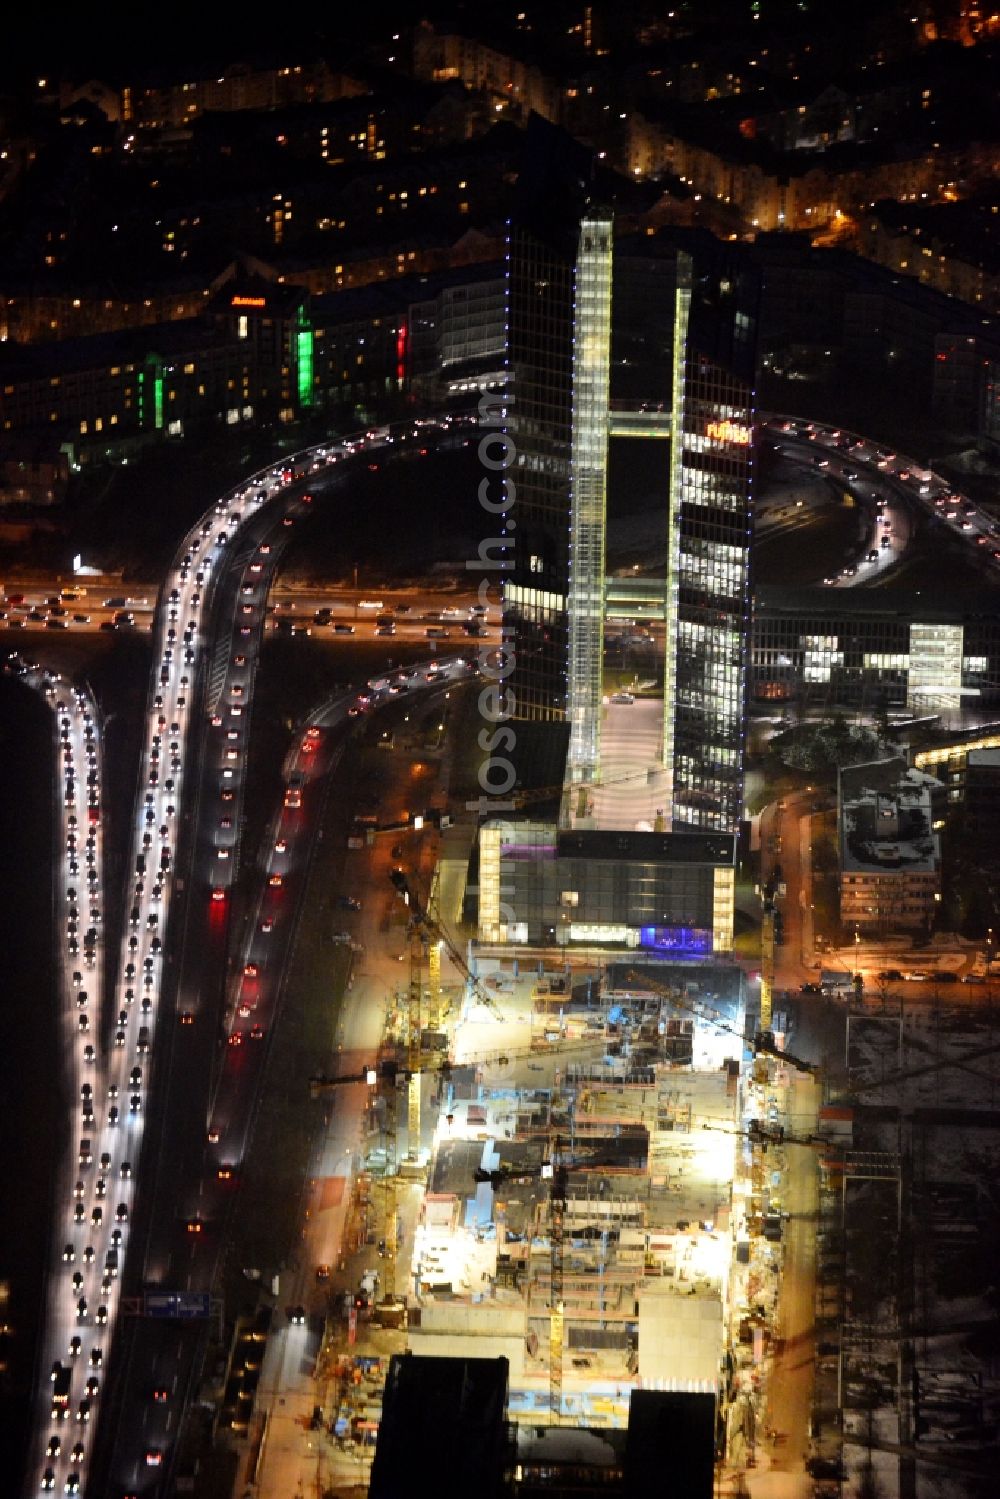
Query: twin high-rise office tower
[[629, 338]]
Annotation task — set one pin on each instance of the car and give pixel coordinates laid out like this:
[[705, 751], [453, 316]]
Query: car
[[186, 1017], [218, 895], [236, 1038], [322, 1272], [256, 1032], [72, 1484], [101, 1315], [160, 1395], [275, 881], [974, 978], [83, 1411], [194, 1225], [810, 988], [825, 1467], [121, 1213], [297, 1316], [154, 1457], [69, 1254], [54, 1447], [917, 976], [48, 1478], [93, 1385], [250, 970], [96, 1357], [267, 924]]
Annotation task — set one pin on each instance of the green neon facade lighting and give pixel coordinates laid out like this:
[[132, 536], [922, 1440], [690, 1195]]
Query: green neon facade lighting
[[304, 360], [158, 401]]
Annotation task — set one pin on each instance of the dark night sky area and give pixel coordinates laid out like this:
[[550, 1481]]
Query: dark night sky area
[[103, 38]]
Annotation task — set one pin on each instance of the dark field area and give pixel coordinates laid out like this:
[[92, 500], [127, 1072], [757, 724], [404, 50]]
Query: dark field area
[[394, 521]]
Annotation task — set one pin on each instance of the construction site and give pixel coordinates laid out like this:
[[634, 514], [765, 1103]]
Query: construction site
[[614, 1176], [579, 1171]]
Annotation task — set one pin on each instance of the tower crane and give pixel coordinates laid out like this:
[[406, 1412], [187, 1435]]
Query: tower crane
[[767, 934], [764, 1135], [763, 1042], [320, 1083], [429, 927]]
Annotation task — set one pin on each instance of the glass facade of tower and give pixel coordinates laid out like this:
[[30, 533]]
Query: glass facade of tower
[[692, 382], [588, 494], [708, 586], [540, 423]]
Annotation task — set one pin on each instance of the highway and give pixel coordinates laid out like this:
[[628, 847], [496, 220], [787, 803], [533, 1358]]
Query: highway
[[344, 611], [198, 658], [892, 487]]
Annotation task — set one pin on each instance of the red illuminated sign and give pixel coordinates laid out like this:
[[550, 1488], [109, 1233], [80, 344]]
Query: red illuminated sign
[[249, 302], [727, 431], [402, 334]]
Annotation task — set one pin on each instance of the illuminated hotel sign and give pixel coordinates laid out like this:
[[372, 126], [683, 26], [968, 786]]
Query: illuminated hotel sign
[[248, 302], [727, 431]]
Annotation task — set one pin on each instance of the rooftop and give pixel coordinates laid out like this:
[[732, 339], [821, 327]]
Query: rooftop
[[886, 820]]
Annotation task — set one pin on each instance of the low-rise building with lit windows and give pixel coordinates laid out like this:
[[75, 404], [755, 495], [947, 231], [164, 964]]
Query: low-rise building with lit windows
[[890, 853], [664, 893], [262, 351], [873, 649]]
